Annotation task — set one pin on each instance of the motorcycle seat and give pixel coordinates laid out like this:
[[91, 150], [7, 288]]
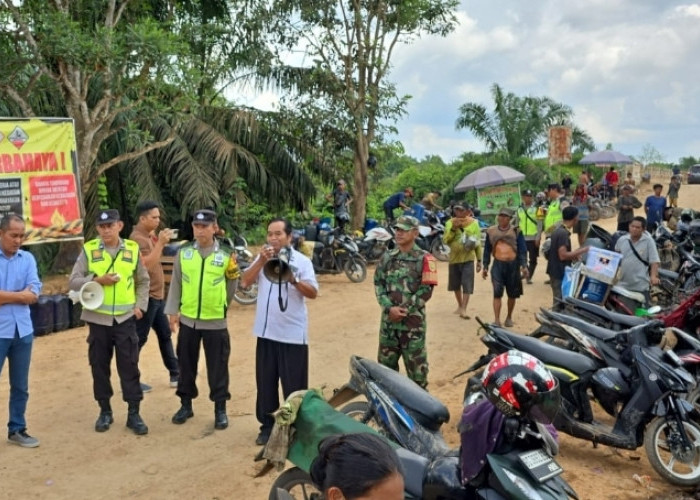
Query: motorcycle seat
[[549, 354], [669, 275], [427, 410], [614, 317], [583, 325], [636, 296], [414, 467]]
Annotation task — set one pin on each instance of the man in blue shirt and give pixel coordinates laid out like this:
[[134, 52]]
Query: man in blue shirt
[[395, 201], [19, 287], [654, 207]]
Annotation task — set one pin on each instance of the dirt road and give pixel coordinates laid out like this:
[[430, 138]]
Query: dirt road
[[195, 461]]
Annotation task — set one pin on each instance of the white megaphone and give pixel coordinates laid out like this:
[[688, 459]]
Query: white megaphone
[[91, 295]]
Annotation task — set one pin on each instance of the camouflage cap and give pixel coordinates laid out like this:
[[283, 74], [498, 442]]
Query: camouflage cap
[[406, 222]]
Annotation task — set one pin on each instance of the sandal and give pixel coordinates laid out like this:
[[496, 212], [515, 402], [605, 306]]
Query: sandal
[[465, 316], [508, 323]]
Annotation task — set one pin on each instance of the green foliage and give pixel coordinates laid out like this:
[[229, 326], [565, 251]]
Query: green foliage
[[519, 126]]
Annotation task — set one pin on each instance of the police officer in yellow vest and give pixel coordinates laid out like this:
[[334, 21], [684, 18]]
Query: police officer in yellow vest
[[114, 263], [531, 228], [557, 203], [202, 286]]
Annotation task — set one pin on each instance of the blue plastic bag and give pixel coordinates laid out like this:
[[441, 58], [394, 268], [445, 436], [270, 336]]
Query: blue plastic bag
[[570, 281]]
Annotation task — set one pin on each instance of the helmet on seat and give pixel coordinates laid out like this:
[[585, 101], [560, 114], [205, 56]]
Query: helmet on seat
[[519, 384]]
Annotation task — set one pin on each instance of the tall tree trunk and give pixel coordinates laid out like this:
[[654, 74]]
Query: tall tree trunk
[[361, 187]]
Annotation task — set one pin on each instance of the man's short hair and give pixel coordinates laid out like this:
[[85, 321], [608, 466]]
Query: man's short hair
[[287, 224], [658, 186], [641, 220], [145, 206], [569, 213], [7, 219]]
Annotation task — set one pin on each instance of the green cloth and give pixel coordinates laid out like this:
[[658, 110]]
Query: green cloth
[[316, 420]]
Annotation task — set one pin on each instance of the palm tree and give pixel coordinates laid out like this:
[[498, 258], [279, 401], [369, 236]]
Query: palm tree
[[192, 144], [518, 126]]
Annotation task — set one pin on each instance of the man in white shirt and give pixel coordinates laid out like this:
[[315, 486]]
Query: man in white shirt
[[281, 324]]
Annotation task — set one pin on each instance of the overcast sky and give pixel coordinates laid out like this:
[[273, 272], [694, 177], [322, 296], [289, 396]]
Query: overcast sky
[[629, 69]]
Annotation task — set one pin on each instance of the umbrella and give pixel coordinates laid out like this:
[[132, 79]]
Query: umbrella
[[606, 157], [493, 175]]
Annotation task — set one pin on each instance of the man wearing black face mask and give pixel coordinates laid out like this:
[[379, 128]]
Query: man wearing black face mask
[[281, 325]]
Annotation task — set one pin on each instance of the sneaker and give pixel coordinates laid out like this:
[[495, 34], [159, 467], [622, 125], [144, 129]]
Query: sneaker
[[173, 382], [146, 387], [23, 439]]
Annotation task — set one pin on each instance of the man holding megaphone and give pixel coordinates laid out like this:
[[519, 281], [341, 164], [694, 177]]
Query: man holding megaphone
[[114, 263], [285, 279]]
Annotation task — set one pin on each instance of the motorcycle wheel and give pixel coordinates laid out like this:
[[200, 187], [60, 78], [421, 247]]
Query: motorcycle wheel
[[355, 269], [662, 446], [297, 483], [359, 410], [473, 392], [593, 214], [246, 296], [693, 397], [607, 212], [440, 250]]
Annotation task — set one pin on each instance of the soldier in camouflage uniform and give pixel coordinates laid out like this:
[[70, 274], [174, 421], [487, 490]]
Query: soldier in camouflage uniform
[[403, 283]]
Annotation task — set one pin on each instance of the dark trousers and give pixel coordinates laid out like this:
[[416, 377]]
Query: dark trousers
[[532, 252], [341, 222], [156, 319], [389, 215], [217, 349], [557, 297], [122, 340], [278, 362], [624, 226]]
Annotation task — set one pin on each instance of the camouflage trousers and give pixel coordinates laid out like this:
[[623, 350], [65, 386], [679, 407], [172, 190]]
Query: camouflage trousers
[[410, 344]]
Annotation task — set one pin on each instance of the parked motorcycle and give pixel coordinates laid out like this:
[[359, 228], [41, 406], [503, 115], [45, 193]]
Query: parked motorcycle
[[375, 243], [645, 397], [334, 252], [431, 231], [406, 414]]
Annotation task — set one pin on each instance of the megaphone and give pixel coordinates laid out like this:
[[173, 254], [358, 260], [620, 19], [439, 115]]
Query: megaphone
[[277, 270], [91, 295]]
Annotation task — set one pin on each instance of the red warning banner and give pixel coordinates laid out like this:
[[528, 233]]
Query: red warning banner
[[39, 177]]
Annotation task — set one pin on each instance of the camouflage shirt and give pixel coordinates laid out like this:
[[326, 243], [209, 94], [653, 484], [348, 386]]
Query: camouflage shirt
[[398, 282]]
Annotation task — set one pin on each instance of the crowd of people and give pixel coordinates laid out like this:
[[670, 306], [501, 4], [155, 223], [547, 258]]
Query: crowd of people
[[205, 274]]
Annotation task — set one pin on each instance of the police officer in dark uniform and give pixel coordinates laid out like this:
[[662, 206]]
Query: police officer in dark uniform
[[202, 286], [114, 263]]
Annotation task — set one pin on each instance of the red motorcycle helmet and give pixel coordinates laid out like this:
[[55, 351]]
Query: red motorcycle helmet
[[519, 384]]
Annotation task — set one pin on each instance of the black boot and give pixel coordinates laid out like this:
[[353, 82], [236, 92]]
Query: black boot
[[220, 418], [105, 419], [134, 420], [184, 412]]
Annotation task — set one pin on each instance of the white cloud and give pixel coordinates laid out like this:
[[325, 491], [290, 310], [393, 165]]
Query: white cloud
[[627, 68]]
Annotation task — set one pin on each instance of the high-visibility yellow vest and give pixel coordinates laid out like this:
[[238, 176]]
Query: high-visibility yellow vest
[[528, 226], [203, 283], [553, 214], [120, 298]]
